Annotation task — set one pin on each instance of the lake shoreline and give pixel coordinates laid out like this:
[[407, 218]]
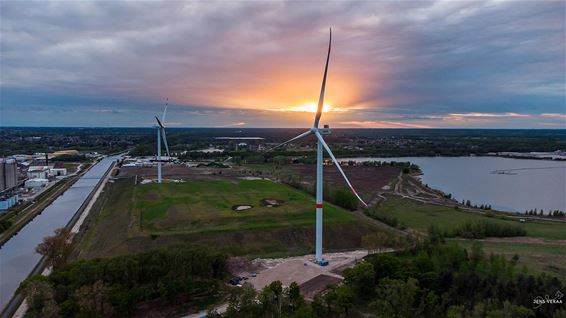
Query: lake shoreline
[[509, 185]]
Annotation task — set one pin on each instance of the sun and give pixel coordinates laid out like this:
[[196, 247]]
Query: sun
[[310, 108]]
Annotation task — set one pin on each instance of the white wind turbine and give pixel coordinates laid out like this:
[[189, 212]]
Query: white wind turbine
[[318, 132], [161, 135]]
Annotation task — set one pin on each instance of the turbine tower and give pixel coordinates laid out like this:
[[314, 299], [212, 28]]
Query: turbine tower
[[318, 132], [161, 135]]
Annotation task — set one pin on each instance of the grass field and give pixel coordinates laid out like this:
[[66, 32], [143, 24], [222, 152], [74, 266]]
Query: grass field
[[537, 257], [206, 206], [421, 216], [128, 218]]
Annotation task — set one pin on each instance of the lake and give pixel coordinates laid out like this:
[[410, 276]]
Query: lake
[[513, 185]]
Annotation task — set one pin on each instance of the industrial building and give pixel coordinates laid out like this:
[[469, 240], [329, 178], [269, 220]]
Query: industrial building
[[36, 183], [8, 201], [8, 174], [38, 172], [58, 172]]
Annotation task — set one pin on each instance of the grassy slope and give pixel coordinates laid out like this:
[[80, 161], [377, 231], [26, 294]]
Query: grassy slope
[[114, 224], [420, 216], [204, 206], [547, 257], [537, 257]]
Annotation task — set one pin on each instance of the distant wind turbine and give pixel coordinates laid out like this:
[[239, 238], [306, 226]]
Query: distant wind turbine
[[161, 135], [318, 132]]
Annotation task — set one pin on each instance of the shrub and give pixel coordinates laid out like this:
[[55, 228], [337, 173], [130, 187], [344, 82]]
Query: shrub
[[120, 283], [481, 229], [383, 217]]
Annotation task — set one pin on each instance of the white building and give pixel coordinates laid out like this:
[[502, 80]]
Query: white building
[[20, 158], [36, 183], [58, 172], [38, 172]]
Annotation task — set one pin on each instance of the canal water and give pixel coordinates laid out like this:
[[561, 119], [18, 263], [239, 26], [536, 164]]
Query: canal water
[[512, 185], [18, 256]]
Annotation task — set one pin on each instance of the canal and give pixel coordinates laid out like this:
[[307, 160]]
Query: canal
[[18, 256]]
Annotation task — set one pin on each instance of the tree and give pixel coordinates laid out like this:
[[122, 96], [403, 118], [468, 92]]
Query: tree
[[296, 300], [93, 299], [396, 298], [271, 299], [41, 299], [318, 306], [56, 248], [362, 279], [429, 306], [344, 298], [242, 303]]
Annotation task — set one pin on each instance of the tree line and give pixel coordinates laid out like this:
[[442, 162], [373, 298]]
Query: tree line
[[115, 286], [553, 213], [435, 280]]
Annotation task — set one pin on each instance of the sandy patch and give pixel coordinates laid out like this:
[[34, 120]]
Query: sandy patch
[[241, 207]]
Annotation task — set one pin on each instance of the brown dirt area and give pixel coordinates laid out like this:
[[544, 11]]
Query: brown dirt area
[[312, 287], [366, 180], [181, 172]]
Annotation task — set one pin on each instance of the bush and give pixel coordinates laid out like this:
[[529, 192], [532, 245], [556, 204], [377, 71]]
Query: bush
[[481, 229], [120, 283], [343, 198], [4, 225], [383, 217]]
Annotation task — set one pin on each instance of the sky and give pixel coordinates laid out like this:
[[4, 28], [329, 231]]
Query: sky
[[394, 64]]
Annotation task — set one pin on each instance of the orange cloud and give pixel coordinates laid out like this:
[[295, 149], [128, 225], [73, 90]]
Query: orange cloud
[[382, 124]]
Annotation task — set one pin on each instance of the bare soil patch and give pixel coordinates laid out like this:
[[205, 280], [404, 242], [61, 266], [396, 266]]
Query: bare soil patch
[[182, 172], [315, 286], [366, 180]]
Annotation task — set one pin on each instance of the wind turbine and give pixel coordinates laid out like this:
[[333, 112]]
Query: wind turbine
[[161, 135], [318, 132]]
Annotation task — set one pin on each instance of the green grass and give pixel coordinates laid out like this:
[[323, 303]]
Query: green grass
[[550, 258], [128, 219], [203, 206], [421, 216]]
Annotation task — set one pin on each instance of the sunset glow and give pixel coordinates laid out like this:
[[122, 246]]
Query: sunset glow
[[393, 64], [311, 108]]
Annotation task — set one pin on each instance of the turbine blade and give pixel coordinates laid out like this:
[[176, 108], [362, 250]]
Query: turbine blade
[[159, 122], [306, 133], [323, 87], [319, 137], [165, 140], [165, 110]]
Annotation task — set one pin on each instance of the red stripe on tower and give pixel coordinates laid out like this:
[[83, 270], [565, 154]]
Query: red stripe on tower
[[319, 205]]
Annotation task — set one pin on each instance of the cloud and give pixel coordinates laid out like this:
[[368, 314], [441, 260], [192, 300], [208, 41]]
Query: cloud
[[554, 115], [390, 61], [489, 115], [238, 124], [382, 124]]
